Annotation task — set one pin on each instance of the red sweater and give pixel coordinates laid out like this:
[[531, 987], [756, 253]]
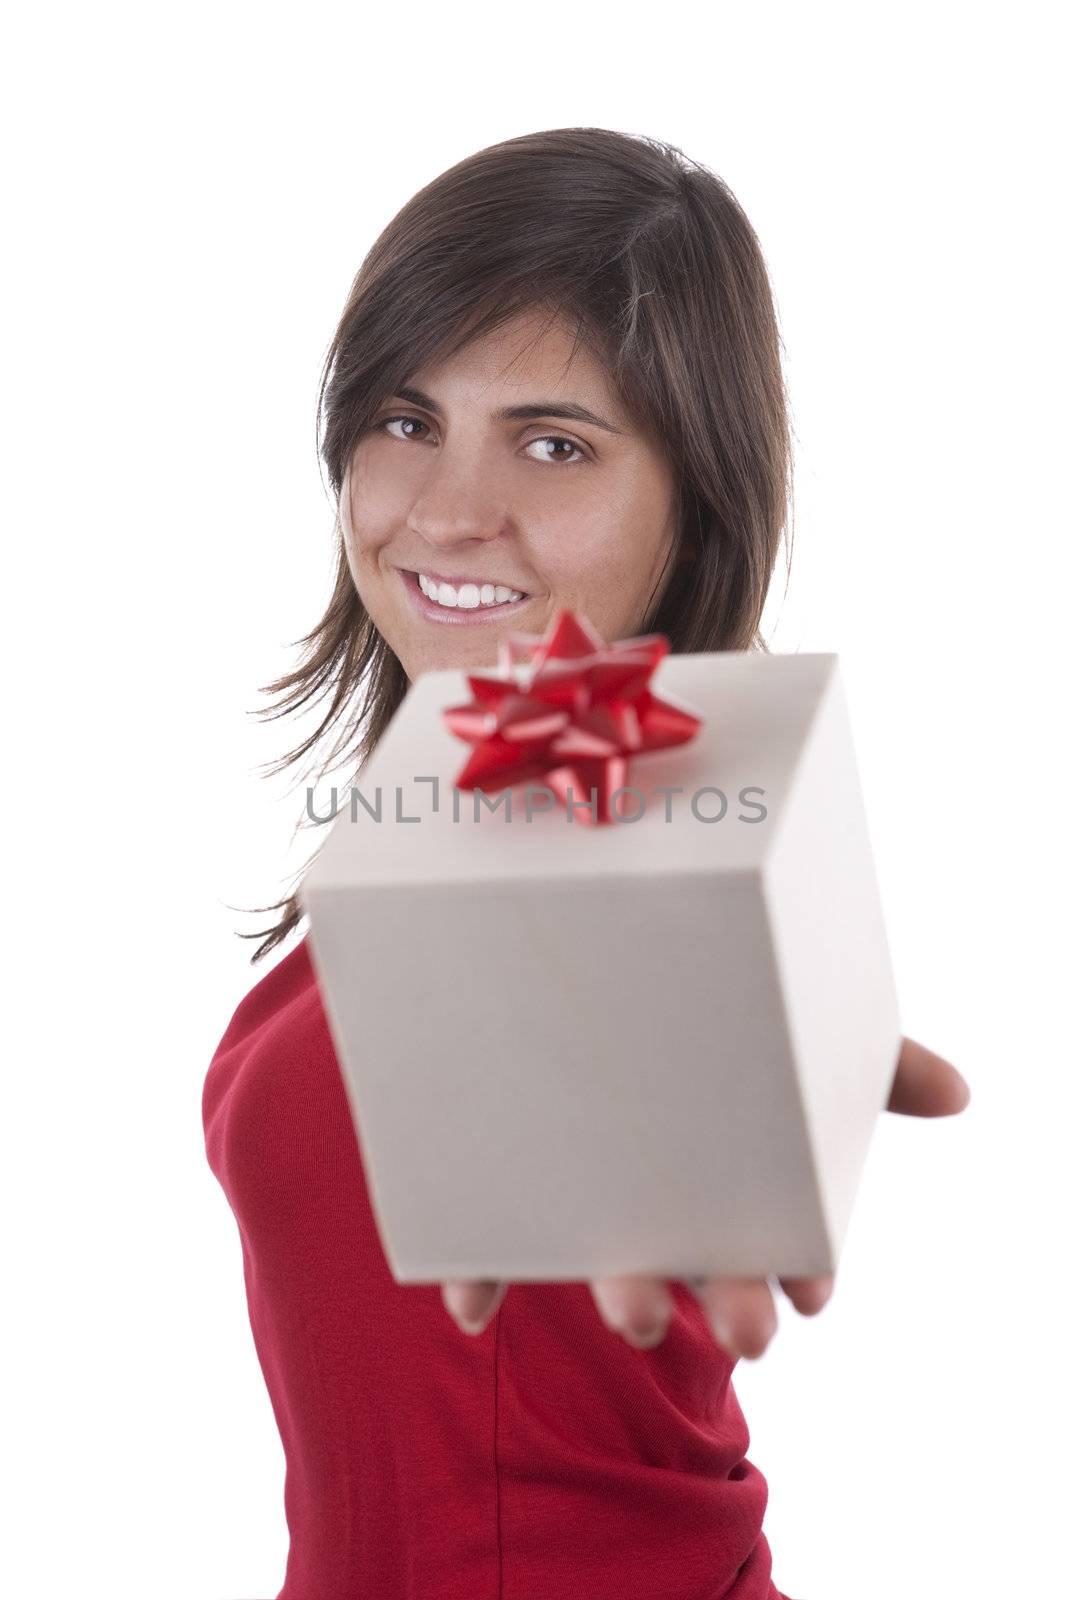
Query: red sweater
[[544, 1459]]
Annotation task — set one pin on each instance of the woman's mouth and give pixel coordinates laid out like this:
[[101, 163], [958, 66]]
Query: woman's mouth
[[461, 600]]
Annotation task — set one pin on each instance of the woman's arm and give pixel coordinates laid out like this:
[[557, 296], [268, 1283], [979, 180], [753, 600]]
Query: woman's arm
[[740, 1311]]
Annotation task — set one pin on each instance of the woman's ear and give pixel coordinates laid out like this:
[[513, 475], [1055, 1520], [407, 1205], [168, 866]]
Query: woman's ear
[[344, 507]]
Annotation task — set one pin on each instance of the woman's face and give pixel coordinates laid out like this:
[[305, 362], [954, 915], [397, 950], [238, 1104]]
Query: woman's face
[[478, 473]]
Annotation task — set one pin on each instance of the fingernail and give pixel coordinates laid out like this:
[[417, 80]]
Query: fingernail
[[650, 1338], [825, 1294], [724, 1334], [734, 1348], [644, 1334], [453, 1300]]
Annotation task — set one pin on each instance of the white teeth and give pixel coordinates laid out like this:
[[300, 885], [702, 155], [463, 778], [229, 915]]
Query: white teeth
[[469, 595]]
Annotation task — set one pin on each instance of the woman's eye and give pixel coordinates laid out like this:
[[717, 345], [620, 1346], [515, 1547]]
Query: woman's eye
[[559, 439], [384, 424], [574, 451]]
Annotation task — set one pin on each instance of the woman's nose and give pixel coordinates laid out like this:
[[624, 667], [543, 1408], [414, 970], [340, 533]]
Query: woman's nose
[[456, 504]]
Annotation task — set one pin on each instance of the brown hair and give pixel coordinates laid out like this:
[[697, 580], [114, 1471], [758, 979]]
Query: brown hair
[[650, 258]]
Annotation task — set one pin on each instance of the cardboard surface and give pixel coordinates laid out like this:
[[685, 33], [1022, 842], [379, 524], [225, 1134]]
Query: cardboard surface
[[656, 1046]]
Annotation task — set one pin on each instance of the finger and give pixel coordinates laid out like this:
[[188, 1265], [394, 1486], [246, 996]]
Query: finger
[[740, 1312], [638, 1308], [926, 1085], [808, 1295], [472, 1304]]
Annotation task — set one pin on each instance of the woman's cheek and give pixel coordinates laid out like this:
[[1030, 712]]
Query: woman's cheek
[[365, 530], [620, 577], [366, 517]]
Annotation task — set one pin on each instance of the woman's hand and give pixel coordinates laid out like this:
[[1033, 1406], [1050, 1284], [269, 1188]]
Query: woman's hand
[[739, 1311]]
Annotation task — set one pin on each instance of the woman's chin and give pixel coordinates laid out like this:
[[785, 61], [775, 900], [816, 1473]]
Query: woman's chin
[[461, 649], [472, 659]]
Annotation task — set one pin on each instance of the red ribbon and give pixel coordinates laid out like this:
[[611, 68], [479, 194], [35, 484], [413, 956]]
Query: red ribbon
[[585, 709]]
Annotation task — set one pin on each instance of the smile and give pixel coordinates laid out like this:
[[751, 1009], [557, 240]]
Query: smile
[[462, 600]]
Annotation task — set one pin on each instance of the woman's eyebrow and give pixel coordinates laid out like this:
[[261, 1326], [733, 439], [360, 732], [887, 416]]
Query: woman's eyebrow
[[524, 413]]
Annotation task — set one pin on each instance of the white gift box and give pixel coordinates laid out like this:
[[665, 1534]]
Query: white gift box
[[657, 1046]]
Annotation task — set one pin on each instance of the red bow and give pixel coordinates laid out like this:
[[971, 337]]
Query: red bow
[[583, 710]]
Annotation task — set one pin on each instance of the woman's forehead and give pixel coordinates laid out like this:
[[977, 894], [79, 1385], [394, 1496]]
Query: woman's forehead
[[530, 350]]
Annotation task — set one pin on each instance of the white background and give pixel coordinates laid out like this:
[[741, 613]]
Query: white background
[[190, 191]]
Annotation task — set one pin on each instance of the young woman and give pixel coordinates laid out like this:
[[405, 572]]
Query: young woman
[[556, 382]]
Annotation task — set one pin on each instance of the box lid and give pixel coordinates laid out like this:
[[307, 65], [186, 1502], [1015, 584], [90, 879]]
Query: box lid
[[757, 711]]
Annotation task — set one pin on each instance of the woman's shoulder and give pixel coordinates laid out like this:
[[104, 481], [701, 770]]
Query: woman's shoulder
[[278, 1014], [288, 984]]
